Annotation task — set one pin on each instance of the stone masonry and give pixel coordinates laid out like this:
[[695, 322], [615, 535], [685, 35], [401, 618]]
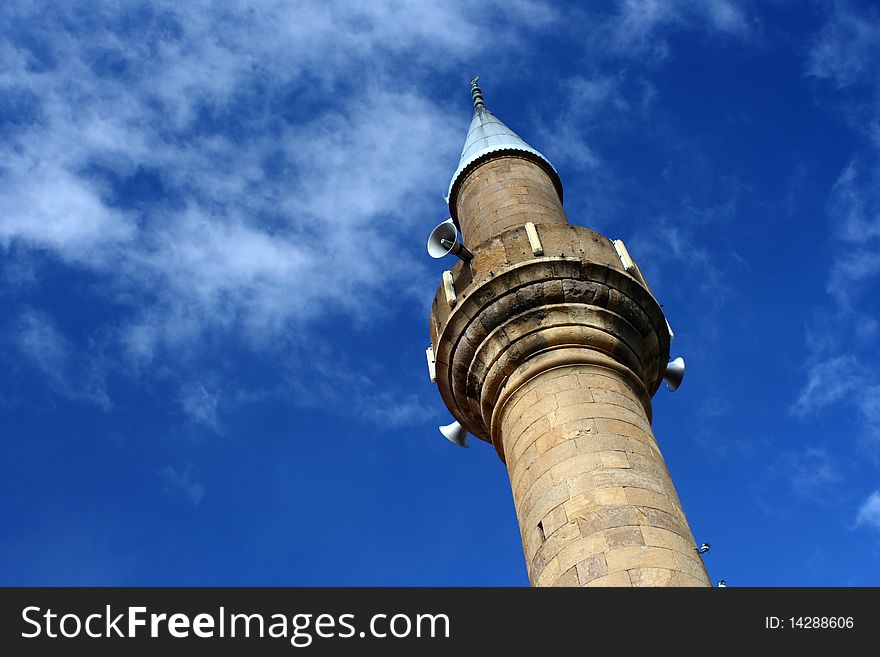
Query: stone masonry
[[553, 356]]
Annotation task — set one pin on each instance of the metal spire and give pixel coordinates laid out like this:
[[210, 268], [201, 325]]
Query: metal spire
[[486, 136], [477, 93]]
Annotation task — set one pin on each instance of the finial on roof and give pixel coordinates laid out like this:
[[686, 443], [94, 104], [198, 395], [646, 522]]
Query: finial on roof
[[477, 93]]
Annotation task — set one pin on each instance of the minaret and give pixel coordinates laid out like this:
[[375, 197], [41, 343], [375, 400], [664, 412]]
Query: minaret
[[549, 344]]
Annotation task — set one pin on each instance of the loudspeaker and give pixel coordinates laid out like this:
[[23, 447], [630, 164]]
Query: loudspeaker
[[455, 433], [674, 373], [444, 240]]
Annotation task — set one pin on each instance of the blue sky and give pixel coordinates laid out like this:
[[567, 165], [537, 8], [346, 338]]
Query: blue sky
[[215, 288]]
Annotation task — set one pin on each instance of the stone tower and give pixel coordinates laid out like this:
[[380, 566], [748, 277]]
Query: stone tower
[[549, 344]]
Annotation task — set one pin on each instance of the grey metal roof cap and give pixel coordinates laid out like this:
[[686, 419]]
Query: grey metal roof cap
[[488, 135]]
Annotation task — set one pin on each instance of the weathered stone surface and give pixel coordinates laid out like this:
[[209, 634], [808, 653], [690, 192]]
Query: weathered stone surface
[[649, 498], [653, 577], [619, 537], [580, 548], [616, 494], [554, 359], [553, 521], [640, 557], [659, 537], [591, 568], [614, 579], [491, 196], [568, 578]]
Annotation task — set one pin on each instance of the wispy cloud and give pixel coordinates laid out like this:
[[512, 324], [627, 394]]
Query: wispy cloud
[[847, 48], [48, 352], [332, 380], [812, 473], [829, 382], [855, 202], [201, 405], [220, 170], [41, 342], [868, 514], [180, 483], [843, 381], [643, 25], [843, 338], [584, 105]]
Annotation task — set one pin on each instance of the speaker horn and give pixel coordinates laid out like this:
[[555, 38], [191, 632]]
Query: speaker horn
[[444, 240], [674, 373], [455, 433]]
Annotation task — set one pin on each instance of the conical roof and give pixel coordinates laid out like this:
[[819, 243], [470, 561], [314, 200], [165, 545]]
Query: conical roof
[[487, 136]]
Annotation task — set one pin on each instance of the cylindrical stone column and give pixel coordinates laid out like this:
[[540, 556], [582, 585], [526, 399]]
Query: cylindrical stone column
[[507, 192], [549, 347], [595, 502]]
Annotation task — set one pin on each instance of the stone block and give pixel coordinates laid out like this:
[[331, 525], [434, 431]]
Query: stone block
[[591, 568], [568, 579], [540, 500], [680, 579], [573, 464], [663, 520], [692, 567], [555, 437], [653, 577], [621, 428], [552, 459], [547, 575], [611, 496], [551, 547], [579, 411], [553, 521], [628, 478], [611, 580], [649, 498], [581, 505], [659, 537], [629, 402], [590, 441], [581, 549], [620, 537], [640, 557], [614, 459], [598, 518], [571, 396]]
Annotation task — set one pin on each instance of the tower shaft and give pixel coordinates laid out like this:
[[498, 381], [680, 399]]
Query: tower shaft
[[550, 348], [508, 192], [595, 502]]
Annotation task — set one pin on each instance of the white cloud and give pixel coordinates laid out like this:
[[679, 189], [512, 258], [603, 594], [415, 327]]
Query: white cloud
[[829, 382], [850, 272], [585, 105], [869, 408], [201, 405], [855, 203], [812, 473], [232, 244], [847, 48], [843, 380], [391, 411], [641, 25], [46, 349], [41, 342], [869, 512], [180, 483], [291, 148], [332, 381], [843, 338]]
